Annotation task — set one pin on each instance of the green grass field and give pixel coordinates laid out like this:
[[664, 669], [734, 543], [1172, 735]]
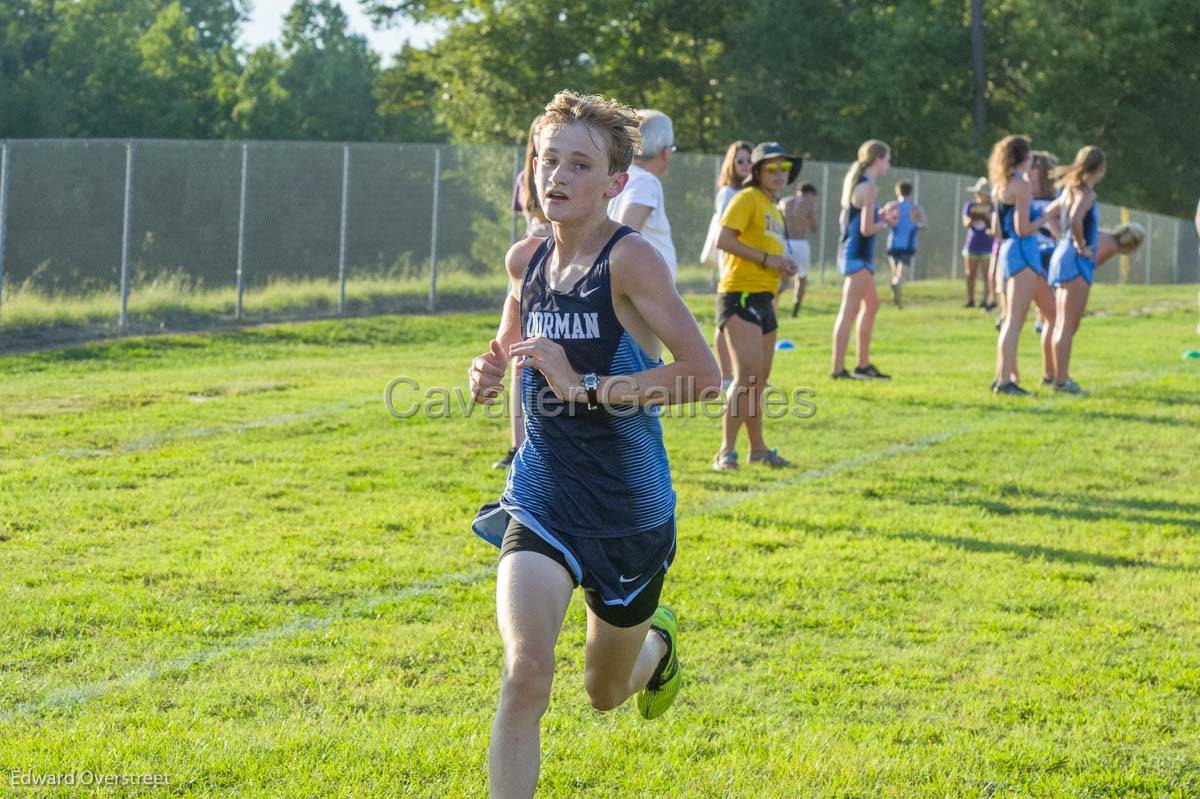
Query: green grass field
[[226, 563]]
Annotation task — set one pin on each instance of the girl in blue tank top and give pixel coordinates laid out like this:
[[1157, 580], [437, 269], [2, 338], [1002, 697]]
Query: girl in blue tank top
[[1011, 158], [860, 219], [1073, 264]]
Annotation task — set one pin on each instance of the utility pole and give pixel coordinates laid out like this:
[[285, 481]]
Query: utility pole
[[977, 66]]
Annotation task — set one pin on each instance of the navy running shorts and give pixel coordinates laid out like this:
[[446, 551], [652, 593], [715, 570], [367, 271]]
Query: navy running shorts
[[621, 577]]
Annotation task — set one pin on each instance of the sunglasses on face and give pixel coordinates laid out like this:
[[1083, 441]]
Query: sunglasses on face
[[779, 166]]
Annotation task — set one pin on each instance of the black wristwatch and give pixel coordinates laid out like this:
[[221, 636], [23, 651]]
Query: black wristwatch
[[590, 384]]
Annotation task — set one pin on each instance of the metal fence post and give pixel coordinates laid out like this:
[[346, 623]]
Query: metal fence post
[[1175, 254], [917, 200], [517, 190], [342, 234], [241, 283], [3, 212], [437, 177], [1149, 247], [824, 209], [123, 323], [957, 228]]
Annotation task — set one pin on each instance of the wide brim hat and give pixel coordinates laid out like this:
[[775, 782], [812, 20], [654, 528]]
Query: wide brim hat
[[980, 187], [773, 149]]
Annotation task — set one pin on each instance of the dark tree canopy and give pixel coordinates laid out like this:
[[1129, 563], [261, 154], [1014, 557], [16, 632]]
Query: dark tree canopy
[[821, 75]]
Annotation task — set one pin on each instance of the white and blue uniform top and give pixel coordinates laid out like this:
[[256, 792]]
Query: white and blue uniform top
[[1018, 253], [857, 251], [1045, 238], [599, 473], [902, 240], [1066, 263]]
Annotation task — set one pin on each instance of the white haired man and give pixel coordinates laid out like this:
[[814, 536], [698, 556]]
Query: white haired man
[[641, 204]]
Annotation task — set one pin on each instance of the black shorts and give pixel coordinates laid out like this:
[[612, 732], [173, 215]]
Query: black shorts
[[757, 308], [902, 256], [620, 552]]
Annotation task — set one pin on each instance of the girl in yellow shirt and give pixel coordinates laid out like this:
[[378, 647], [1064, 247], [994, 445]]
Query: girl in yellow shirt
[[752, 244]]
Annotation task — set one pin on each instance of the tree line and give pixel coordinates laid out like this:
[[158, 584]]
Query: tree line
[[938, 79]]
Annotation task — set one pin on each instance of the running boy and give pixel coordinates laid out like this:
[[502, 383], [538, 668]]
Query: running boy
[[902, 240], [589, 500]]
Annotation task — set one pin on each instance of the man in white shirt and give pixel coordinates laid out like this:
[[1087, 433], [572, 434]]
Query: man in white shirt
[[641, 204]]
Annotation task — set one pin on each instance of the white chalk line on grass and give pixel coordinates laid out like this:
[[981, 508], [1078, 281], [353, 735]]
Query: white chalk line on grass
[[151, 440], [80, 694]]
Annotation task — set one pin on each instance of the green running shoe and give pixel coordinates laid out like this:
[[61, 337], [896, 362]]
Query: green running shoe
[[663, 686]]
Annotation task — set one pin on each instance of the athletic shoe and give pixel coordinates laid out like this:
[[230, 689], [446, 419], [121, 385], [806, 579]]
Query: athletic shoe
[[1069, 387], [506, 461], [869, 372], [770, 457], [842, 375], [663, 687], [999, 322], [725, 462], [970, 304], [1047, 381], [795, 309], [1011, 389]]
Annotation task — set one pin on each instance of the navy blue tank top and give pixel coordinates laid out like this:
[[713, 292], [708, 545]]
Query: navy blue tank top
[[595, 473], [855, 246]]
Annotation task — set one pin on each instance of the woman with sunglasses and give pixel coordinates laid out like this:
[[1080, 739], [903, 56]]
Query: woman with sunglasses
[[752, 243]]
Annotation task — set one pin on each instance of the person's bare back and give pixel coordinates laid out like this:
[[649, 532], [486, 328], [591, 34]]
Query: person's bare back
[[799, 215]]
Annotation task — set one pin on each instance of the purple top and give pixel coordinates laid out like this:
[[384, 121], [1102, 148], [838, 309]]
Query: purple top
[[979, 241]]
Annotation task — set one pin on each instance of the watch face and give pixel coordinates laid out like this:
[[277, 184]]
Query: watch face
[[590, 381]]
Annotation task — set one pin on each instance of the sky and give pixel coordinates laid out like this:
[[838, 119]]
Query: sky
[[266, 24]]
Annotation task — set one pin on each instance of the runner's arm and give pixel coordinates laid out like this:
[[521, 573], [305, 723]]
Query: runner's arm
[[487, 370]]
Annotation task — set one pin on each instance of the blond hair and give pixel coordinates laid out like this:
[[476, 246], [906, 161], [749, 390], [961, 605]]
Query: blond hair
[[1074, 175], [616, 122], [870, 152], [1007, 154], [1045, 163], [527, 192], [729, 175]]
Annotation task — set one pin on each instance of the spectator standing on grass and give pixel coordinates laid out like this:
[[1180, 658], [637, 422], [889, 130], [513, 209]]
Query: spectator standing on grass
[[860, 219], [641, 205], [1044, 193], [977, 250], [1019, 259], [734, 170], [752, 238], [799, 220]]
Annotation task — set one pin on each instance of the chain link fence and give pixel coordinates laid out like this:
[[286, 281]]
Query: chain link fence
[[139, 235]]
